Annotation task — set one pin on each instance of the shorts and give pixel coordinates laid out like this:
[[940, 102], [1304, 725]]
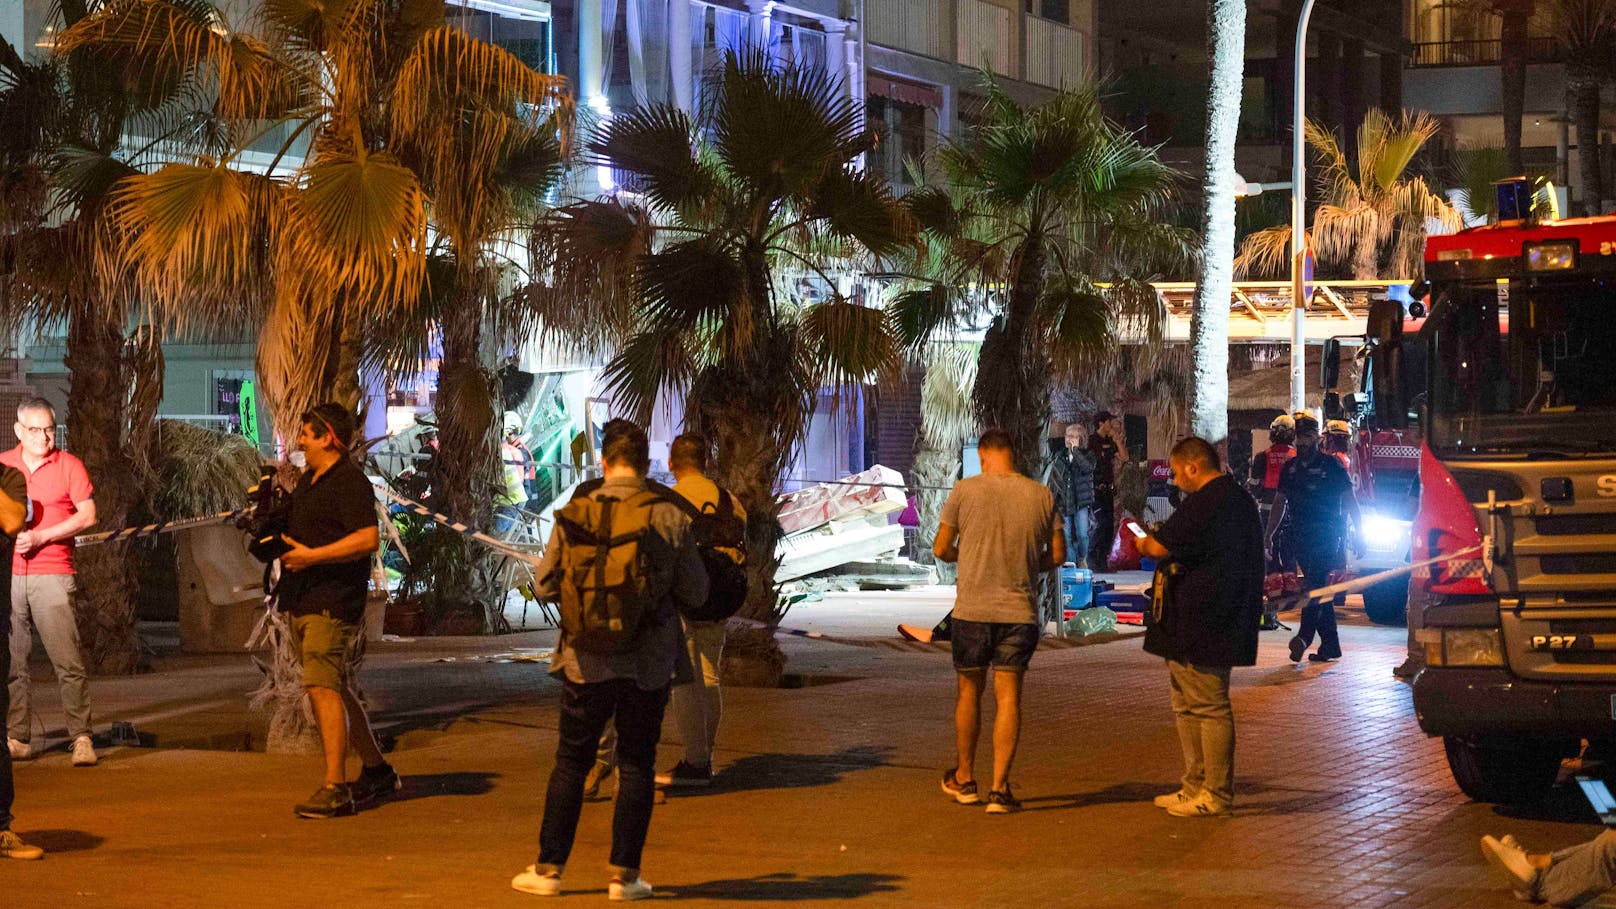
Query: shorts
[[330, 649], [1002, 645]]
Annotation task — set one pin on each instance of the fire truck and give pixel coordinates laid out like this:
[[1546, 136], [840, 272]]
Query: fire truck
[[1517, 494]]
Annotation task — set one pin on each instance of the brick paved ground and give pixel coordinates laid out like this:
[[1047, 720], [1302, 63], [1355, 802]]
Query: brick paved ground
[[828, 794]]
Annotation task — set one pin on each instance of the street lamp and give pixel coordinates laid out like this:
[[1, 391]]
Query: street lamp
[[1299, 217]]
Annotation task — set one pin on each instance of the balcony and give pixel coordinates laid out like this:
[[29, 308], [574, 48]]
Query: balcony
[[1055, 53], [1480, 52]]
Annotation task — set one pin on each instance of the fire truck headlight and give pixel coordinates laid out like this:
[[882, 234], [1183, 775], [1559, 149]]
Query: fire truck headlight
[[1468, 647], [1386, 535]]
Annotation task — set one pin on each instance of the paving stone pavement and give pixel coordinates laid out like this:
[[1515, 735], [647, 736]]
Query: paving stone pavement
[[827, 793]]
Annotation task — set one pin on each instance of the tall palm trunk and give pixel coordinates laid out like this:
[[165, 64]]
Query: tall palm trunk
[[1514, 31], [96, 433], [1209, 326], [1012, 379], [466, 471], [1366, 261], [1582, 97]]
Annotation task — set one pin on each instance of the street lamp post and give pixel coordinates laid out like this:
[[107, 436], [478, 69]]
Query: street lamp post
[[1299, 217]]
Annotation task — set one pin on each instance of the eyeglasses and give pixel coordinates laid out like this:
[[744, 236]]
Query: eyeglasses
[[37, 431]]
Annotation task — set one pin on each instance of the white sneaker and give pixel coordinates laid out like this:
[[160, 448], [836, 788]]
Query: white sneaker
[[1507, 856], [1172, 798], [84, 752], [531, 881], [1202, 805], [20, 751], [623, 891]]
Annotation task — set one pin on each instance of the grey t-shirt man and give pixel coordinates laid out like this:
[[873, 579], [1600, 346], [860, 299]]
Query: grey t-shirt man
[[1003, 521]]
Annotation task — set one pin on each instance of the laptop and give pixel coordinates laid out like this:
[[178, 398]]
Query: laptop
[[1599, 796]]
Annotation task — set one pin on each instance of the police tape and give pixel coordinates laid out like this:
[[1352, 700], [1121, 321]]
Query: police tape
[[468, 532], [1357, 584], [151, 530]]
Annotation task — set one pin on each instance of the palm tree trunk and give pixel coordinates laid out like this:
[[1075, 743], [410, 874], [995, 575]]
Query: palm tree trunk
[[1209, 326], [1366, 261], [1582, 97], [466, 470], [1012, 378], [1513, 47], [96, 433]]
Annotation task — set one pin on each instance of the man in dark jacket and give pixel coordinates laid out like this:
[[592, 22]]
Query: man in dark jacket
[[1208, 619], [1073, 484]]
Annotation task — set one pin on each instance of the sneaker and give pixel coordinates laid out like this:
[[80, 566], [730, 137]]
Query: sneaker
[[335, 800], [1269, 623], [1407, 669], [1202, 805], [12, 847], [539, 884], [1172, 798], [84, 752], [1323, 657], [1001, 801], [597, 774], [685, 773], [623, 891], [1507, 856], [376, 782], [964, 793], [20, 751], [1298, 647]]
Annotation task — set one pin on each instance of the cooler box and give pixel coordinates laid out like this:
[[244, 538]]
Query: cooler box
[[1077, 587]]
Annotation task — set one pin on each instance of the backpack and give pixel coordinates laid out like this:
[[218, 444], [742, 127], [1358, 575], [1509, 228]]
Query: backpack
[[715, 528], [607, 596]]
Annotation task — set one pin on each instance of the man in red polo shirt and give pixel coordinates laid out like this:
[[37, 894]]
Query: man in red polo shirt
[[42, 579]]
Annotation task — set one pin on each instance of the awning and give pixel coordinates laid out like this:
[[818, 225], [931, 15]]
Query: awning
[[905, 91]]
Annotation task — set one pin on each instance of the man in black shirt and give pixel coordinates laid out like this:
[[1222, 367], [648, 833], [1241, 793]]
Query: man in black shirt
[[1106, 452], [1208, 618], [332, 534], [1315, 490], [13, 515]]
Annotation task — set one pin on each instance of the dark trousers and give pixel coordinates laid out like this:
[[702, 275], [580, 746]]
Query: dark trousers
[[585, 711], [1103, 528], [7, 790], [1319, 616]]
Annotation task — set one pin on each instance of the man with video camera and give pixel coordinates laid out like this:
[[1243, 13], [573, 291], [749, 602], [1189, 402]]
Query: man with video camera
[[329, 537]]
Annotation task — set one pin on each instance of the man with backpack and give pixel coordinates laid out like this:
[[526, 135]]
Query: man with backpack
[[718, 523], [620, 563]]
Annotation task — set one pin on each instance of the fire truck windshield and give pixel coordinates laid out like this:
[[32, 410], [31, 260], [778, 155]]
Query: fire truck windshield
[[1524, 367]]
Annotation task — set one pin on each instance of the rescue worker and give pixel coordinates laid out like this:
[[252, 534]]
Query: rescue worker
[[1315, 490], [1338, 441], [1264, 485]]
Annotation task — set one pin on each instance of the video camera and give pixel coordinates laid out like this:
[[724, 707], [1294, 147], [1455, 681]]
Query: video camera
[[267, 517]]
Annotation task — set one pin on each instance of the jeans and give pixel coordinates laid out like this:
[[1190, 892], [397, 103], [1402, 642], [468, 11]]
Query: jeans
[[45, 602], [1102, 529], [7, 791], [1205, 720], [1581, 873], [1077, 536], [698, 705], [585, 710]]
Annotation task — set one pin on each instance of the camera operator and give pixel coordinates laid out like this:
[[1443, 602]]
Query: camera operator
[[330, 535]]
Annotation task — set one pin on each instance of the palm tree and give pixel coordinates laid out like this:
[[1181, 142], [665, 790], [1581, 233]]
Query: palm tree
[[1052, 226], [1586, 33], [1209, 326], [1371, 217], [66, 117], [696, 273], [1514, 48], [947, 422], [425, 149]]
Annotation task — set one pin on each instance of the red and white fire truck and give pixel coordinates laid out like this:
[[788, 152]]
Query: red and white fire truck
[[1517, 494]]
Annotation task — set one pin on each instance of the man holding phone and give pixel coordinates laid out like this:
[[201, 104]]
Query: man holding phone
[[1208, 618]]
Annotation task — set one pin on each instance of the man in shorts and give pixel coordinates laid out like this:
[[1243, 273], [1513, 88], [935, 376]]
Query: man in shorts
[[326, 572], [1003, 531]]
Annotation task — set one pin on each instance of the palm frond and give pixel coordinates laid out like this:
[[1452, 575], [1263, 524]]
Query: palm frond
[[850, 343], [859, 206], [362, 226], [647, 364], [654, 144], [918, 314]]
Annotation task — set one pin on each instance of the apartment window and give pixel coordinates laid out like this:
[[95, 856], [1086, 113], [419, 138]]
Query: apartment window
[[1055, 10], [521, 27], [900, 129]]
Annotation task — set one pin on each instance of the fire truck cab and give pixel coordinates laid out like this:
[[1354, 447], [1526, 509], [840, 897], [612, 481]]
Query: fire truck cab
[[1517, 501]]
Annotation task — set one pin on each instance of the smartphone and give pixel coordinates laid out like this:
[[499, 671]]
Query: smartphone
[[1135, 529]]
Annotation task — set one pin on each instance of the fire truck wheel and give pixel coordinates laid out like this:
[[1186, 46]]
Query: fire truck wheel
[[1386, 603], [1506, 771]]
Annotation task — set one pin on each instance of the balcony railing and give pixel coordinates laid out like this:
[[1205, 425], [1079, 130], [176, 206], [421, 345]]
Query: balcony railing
[[1480, 52]]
